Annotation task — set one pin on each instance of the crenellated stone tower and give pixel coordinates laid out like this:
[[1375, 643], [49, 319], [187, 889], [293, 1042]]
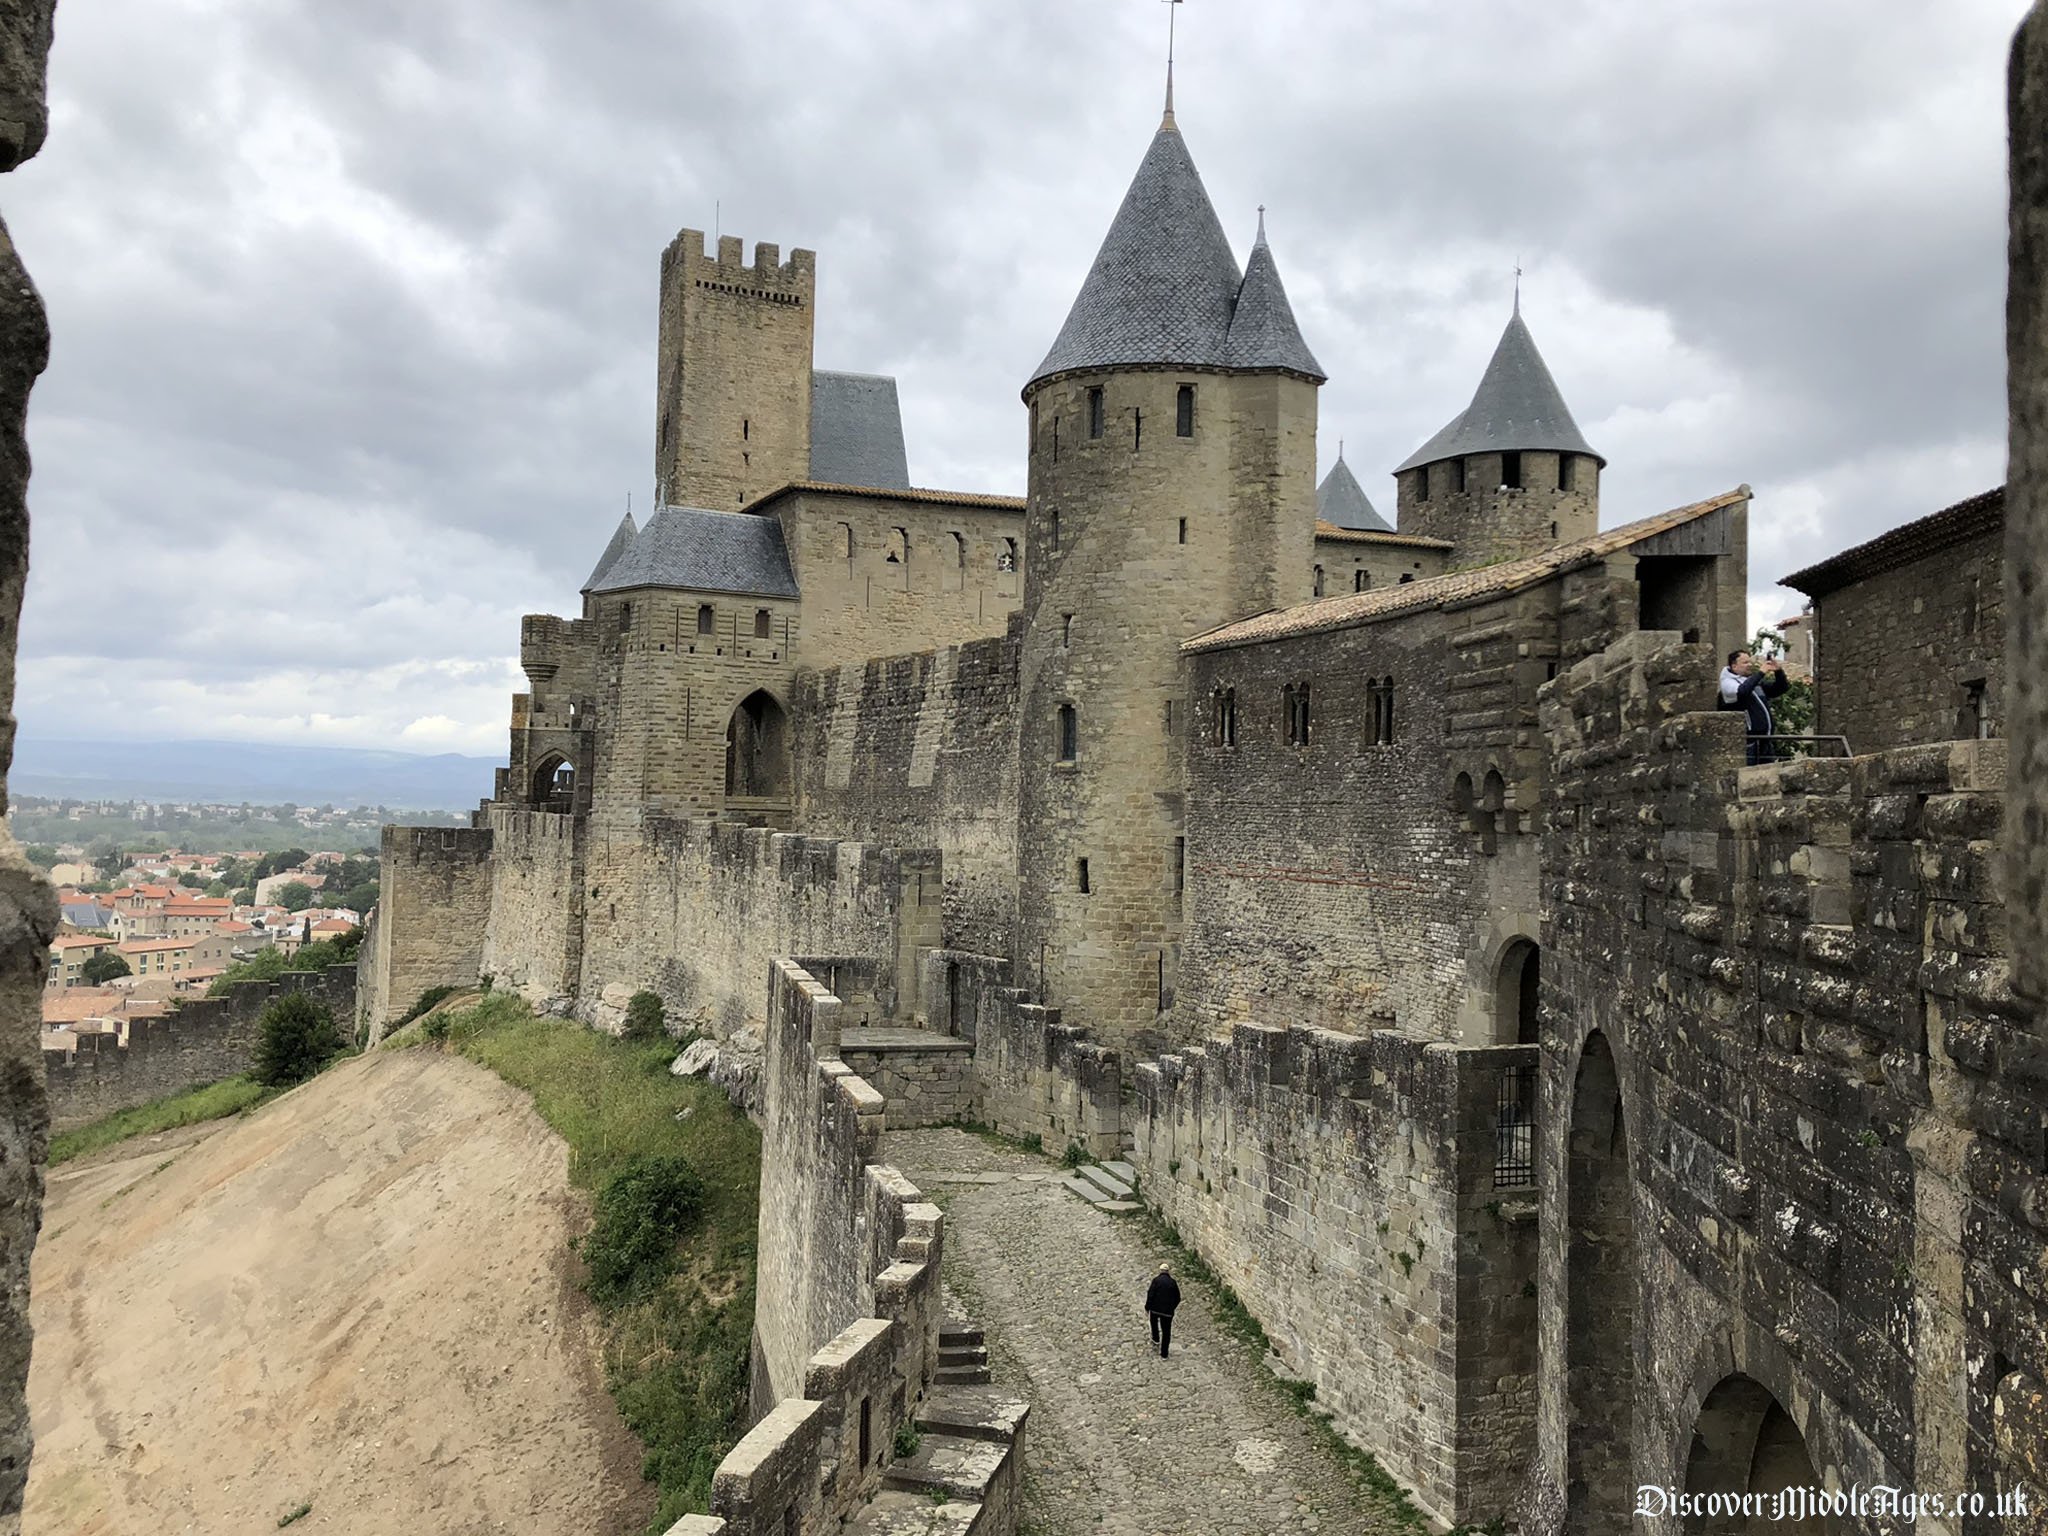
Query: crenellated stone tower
[[1171, 489], [733, 384], [1511, 474]]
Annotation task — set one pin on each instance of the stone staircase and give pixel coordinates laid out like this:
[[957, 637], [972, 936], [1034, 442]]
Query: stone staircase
[[962, 1478], [1110, 1186]]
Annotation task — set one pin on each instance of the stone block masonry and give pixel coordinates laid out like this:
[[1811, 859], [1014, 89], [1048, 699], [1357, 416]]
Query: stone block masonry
[[1349, 1191], [1790, 1146], [919, 752], [696, 910], [925, 1079], [436, 899], [204, 1041]]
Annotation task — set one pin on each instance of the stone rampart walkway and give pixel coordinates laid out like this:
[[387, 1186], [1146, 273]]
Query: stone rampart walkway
[[1120, 1442]]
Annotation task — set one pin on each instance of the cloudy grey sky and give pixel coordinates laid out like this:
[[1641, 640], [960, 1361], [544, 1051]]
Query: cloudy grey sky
[[354, 302]]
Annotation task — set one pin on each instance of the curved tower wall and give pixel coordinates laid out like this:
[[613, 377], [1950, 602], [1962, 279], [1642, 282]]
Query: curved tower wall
[[1487, 519], [1244, 483]]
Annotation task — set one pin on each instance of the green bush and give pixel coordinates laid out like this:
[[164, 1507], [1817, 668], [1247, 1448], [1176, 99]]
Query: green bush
[[642, 1213], [295, 1037], [646, 1019]]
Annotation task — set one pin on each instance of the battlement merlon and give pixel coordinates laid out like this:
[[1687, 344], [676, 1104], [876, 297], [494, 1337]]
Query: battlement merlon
[[769, 274]]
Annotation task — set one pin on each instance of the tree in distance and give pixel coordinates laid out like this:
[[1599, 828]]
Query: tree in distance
[[295, 896], [296, 1037], [103, 968]]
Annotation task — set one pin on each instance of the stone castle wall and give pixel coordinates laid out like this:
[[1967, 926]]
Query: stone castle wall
[[887, 575], [204, 1041], [533, 935], [435, 899], [1387, 1266], [1486, 520], [1792, 1113], [920, 752], [842, 1237], [1900, 649], [696, 910]]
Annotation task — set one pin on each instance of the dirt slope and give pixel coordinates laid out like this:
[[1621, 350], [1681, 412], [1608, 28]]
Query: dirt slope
[[358, 1298]]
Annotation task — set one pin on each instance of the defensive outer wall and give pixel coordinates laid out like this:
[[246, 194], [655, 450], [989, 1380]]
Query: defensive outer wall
[[201, 1041]]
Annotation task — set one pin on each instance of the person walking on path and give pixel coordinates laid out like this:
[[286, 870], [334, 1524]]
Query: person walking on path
[[1746, 689], [1162, 1296]]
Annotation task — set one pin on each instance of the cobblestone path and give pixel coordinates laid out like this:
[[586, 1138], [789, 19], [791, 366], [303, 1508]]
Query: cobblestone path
[[1120, 1442]]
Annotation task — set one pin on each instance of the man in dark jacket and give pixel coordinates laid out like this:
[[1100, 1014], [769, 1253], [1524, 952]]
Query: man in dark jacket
[[1161, 1297], [1743, 687]]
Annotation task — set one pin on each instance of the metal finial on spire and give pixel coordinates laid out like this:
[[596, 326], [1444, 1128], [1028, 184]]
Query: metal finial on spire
[[1518, 285], [1340, 450], [1262, 224], [1167, 120]]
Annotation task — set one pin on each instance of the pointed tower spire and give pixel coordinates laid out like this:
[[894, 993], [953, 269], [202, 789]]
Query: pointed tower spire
[[1342, 502], [1516, 406], [1263, 333], [1167, 121], [621, 538]]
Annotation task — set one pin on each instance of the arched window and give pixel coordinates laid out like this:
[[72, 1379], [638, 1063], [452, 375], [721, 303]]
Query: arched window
[[761, 623], [899, 546], [1360, 580], [1294, 710], [1515, 994], [1380, 692], [706, 619], [846, 530], [1319, 581], [959, 550], [1006, 557], [1226, 717], [1184, 412], [1069, 734], [554, 784]]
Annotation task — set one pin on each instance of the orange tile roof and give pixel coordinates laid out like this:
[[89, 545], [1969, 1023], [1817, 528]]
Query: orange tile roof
[[1454, 588], [152, 946], [79, 941], [232, 925], [75, 1003], [1377, 536], [333, 925]]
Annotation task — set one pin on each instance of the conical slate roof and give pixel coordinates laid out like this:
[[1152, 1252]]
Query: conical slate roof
[[1341, 500], [620, 540], [704, 551], [1262, 329], [1165, 286], [1517, 406]]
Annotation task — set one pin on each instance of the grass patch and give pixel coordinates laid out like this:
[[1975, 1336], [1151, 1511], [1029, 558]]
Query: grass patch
[[216, 1101], [676, 1350]]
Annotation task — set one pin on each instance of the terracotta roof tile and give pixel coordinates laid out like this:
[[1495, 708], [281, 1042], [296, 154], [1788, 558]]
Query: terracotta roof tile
[[1388, 536], [1454, 588], [944, 498], [1929, 535]]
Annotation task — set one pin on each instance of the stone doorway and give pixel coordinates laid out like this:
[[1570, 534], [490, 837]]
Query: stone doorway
[[1600, 1302], [1746, 1443], [757, 749], [1515, 994]]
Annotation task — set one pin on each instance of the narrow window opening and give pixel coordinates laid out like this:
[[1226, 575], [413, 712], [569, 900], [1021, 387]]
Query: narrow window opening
[[1294, 710], [1069, 734], [1564, 471], [746, 430], [1319, 581], [1457, 474], [1180, 865], [1066, 630], [1553, 530], [1081, 876], [847, 529], [1006, 559], [1406, 577], [959, 550], [1184, 411], [1052, 528], [1095, 410], [1055, 439], [1137, 429], [1183, 530], [760, 623], [1226, 717], [867, 1440], [1169, 717], [1511, 471], [1549, 670], [1422, 483], [1380, 691], [1976, 710], [705, 619], [1360, 581], [625, 617]]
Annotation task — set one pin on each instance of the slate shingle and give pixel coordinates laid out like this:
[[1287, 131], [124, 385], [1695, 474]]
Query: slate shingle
[[702, 551]]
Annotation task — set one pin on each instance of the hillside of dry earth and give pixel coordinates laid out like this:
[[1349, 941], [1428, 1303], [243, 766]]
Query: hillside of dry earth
[[359, 1298]]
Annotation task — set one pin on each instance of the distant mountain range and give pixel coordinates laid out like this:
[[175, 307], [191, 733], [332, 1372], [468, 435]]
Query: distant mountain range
[[258, 772]]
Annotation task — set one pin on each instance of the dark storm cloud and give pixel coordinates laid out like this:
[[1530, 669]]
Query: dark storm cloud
[[354, 305]]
